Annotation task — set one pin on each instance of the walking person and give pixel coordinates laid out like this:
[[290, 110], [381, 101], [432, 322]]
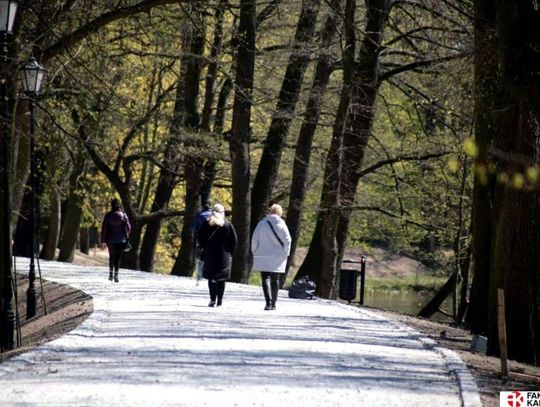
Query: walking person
[[115, 232], [199, 220], [271, 245], [217, 240]]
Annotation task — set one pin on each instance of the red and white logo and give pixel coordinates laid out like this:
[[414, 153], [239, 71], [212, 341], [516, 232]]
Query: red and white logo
[[521, 398], [515, 399]]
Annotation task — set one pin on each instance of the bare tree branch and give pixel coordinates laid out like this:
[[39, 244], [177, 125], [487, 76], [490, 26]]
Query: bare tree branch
[[265, 13], [419, 64], [394, 160], [74, 37], [396, 216], [139, 123]]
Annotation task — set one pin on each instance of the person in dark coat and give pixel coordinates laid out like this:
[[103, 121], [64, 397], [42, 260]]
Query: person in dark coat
[[217, 240], [115, 232]]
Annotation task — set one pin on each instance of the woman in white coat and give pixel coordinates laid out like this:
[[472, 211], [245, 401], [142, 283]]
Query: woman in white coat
[[270, 245]]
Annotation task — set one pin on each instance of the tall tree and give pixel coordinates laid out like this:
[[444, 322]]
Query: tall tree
[[514, 258], [284, 112], [74, 210], [302, 157], [486, 96], [209, 171], [185, 119], [240, 138], [193, 159], [351, 132]]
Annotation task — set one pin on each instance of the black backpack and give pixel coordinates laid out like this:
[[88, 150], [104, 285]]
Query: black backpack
[[303, 289]]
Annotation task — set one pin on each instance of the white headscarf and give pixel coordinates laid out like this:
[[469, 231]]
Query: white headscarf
[[217, 217]]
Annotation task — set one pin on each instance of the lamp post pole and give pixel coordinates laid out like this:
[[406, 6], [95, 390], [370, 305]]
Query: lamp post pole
[[32, 75], [31, 292], [8, 14]]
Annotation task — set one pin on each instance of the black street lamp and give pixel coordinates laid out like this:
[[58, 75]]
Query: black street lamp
[[8, 14], [32, 76]]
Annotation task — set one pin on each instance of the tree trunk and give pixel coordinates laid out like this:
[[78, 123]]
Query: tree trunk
[[22, 238], [361, 113], [185, 261], [284, 113], [193, 160], [212, 70], [302, 156], [516, 254], [356, 114], [163, 194], [210, 167], [72, 225], [465, 266], [21, 159], [53, 234], [239, 142], [512, 117], [147, 171], [433, 306], [486, 95], [84, 241], [72, 221], [310, 267], [184, 112], [322, 251], [130, 260], [25, 231]]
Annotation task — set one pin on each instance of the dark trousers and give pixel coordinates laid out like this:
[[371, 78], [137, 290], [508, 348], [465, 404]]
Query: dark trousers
[[115, 254], [217, 289], [270, 286]]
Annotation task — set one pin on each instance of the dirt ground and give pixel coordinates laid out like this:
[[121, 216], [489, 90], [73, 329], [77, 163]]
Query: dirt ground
[[485, 369], [65, 309], [68, 307]]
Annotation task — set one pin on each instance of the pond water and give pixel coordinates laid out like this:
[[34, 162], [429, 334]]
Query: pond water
[[407, 302]]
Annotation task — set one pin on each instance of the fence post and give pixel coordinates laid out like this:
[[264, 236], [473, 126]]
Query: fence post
[[362, 278]]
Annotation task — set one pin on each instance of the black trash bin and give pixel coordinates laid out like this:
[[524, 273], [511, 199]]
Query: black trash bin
[[348, 280], [347, 284]]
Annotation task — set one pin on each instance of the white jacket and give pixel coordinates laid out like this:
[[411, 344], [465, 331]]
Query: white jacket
[[268, 254]]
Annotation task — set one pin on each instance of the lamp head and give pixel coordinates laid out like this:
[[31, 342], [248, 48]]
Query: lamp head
[[32, 76]]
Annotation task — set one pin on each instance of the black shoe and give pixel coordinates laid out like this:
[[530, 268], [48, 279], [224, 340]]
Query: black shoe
[[273, 307], [116, 278], [110, 276], [211, 303], [219, 304], [268, 307]]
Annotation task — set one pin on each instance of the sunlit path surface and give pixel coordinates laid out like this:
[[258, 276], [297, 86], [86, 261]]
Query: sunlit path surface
[[152, 340]]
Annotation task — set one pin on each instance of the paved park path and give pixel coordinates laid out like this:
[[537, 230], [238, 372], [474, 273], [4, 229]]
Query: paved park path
[[152, 341]]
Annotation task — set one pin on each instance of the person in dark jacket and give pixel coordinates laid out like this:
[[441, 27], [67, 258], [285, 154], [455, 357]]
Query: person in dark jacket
[[217, 240], [115, 233]]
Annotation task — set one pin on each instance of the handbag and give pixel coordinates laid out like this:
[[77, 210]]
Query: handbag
[[202, 257], [303, 289], [128, 245]]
